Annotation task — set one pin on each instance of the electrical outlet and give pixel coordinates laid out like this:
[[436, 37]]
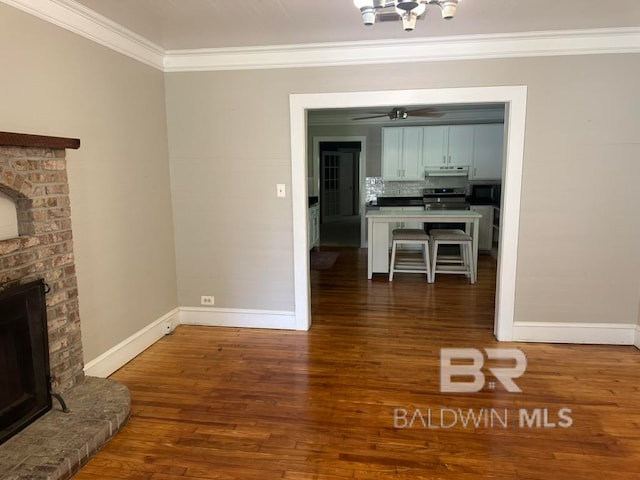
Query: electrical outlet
[[207, 300]]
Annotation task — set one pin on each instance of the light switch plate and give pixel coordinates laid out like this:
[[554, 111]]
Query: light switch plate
[[280, 190]]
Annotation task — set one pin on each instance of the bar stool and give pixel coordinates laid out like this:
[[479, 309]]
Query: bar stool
[[462, 264], [410, 236], [449, 258]]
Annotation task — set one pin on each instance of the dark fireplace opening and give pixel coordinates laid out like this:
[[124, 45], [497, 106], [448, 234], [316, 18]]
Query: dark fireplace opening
[[24, 357]]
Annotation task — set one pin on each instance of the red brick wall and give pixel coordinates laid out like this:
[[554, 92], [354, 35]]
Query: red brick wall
[[36, 179]]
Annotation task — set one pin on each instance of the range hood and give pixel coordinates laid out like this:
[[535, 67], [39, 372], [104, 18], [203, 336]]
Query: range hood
[[445, 171]]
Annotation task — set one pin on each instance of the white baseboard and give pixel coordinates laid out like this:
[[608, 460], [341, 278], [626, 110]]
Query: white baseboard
[[234, 317], [118, 356], [594, 333], [125, 351]]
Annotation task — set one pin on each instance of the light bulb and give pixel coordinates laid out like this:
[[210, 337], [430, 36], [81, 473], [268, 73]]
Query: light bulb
[[409, 21], [368, 16], [448, 9], [367, 10]]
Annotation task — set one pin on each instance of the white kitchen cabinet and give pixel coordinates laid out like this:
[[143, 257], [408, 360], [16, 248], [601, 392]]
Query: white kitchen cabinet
[[485, 230], [448, 145], [313, 229], [402, 153], [487, 152]]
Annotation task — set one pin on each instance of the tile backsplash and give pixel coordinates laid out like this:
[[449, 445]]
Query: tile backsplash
[[376, 186]]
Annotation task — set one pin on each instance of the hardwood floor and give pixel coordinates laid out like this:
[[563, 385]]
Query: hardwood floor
[[229, 403]]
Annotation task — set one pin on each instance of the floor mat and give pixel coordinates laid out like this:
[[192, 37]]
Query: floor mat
[[322, 260]]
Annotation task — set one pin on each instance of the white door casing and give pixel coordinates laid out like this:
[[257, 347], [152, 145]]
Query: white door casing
[[515, 99]]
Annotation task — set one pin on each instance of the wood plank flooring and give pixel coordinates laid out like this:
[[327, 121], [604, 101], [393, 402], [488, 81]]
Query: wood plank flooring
[[228, 403]]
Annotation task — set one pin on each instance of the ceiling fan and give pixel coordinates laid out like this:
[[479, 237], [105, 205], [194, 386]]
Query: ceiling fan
[[401, 113]]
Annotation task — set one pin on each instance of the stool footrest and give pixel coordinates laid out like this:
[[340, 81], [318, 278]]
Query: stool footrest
[[456, 264], [406, 261]]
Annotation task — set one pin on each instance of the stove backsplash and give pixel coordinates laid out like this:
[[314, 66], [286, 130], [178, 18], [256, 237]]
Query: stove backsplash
[[376, 186]]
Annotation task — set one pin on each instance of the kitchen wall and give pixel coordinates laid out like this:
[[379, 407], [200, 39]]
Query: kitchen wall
[[374, 184], [233, 237], [377, 186], [54, 82], [373, 146]]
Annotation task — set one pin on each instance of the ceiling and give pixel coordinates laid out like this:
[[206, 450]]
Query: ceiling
[[196, 24], [448, 115], [183, 25]]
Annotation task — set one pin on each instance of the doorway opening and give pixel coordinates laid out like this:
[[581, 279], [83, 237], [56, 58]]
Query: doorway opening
[[514, 98], [340, 207]]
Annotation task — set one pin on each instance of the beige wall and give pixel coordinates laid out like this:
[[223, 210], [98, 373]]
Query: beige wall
[[229, 146], [374, 142], [54, 82]]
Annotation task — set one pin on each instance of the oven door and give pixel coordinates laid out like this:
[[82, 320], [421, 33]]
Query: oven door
[[446, 206]]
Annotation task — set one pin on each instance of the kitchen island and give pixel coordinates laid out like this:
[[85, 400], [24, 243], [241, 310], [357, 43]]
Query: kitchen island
[[378, 231]]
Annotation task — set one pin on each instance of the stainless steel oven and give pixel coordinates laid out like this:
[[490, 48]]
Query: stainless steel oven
[[444, 199]]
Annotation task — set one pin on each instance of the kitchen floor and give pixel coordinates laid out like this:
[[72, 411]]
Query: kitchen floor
[[344, 232]]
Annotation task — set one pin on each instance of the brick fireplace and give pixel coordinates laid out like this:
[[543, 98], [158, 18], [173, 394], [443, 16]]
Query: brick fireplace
[[33, 174]]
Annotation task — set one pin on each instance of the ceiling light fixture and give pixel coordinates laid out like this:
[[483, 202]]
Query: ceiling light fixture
[[408, 11]]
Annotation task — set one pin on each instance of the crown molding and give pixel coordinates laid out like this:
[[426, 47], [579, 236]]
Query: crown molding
[[83, 21], [531, 44]]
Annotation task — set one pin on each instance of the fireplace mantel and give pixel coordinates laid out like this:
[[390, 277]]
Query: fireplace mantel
[[8, 139]]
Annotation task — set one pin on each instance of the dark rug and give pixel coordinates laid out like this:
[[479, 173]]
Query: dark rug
[[322, 260]]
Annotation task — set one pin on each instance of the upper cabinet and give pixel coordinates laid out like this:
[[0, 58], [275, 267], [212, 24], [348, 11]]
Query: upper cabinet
[[487, 152], [406, 151], [448, 146], [402, 153]]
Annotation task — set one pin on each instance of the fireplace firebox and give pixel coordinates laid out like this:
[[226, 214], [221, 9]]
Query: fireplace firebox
[[24, 357]]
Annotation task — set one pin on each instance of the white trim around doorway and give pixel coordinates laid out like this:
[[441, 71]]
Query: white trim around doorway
[[515, 97]]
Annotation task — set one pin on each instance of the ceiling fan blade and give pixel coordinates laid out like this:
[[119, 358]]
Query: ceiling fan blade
[[425, 112], [373, 116]]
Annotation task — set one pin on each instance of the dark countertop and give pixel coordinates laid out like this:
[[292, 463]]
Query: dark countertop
[[384, 201], [398, 202], [313, 201]]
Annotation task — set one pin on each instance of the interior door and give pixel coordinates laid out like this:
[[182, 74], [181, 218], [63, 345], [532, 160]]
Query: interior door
[[330, 206], [346, 168], [339, 192]]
